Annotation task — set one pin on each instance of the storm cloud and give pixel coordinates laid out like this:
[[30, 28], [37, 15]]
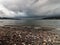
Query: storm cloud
[[13, 8]]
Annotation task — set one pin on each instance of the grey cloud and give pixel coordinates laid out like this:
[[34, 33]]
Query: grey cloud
[[33, 7]]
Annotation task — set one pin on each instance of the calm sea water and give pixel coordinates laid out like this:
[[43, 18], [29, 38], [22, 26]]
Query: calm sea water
[[52, 23]]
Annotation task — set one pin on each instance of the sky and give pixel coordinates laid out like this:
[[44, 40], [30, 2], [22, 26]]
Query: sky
[[16, 8]]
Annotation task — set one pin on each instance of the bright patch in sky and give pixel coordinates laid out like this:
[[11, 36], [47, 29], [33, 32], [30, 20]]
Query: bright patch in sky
[[6, 12]]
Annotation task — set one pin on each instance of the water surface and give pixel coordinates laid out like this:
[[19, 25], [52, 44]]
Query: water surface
[[52, 23]]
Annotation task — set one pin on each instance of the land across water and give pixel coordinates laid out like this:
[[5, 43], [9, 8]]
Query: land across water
[[28, 35]]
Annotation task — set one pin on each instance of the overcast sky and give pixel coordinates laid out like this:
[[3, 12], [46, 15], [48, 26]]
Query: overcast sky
[[13, 8]]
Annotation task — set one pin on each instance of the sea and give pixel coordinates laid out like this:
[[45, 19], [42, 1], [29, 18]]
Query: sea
[[51, 23]]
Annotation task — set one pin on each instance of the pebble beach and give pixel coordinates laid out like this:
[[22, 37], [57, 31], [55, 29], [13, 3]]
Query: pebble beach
[[27, 35]]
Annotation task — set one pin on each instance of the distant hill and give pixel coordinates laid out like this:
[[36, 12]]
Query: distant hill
[[32, 17], [9, 18], [52, 17]]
